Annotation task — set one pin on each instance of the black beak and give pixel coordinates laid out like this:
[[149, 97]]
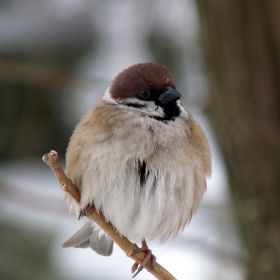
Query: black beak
[[169, 96]]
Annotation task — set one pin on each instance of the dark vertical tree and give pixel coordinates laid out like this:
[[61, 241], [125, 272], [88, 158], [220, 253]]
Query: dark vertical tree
[[241, 46]]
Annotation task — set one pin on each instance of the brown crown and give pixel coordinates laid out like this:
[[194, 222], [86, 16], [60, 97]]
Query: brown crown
[[130, 81]]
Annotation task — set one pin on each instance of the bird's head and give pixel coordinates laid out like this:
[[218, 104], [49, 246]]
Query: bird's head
[[145, 85]]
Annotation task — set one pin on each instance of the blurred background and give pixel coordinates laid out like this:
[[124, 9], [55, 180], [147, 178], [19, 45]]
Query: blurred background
[[58, 57]]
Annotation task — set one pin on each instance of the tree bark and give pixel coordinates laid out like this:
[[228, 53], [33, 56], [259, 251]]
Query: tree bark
[[241, 46]]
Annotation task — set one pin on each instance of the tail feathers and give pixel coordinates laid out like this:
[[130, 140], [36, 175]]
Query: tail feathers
[[80, 238], [88, 237], [102, 245]]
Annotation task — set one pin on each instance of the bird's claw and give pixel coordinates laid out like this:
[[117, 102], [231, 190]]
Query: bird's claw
[[137, 268], [84, 211]]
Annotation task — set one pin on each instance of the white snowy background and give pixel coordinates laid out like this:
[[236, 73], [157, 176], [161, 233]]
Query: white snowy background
[[210, 247]]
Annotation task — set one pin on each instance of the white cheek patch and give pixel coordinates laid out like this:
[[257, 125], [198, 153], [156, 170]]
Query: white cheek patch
[[159, 110], [149, 108], [132, 100], [108, 98], [183, 110]]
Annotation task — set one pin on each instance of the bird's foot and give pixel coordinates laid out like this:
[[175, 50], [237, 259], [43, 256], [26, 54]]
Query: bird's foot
[[137, 268], [84, 211]]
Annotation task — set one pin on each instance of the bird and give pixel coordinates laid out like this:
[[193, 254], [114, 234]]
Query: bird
[[140, 158]]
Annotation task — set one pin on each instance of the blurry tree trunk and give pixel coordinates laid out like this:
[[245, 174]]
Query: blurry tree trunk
[[241, 45]]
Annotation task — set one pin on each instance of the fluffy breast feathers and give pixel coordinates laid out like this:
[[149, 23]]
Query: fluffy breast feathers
[[146, 176]]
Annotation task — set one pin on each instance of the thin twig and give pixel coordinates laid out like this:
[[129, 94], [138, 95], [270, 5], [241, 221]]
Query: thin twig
[[67, 185]]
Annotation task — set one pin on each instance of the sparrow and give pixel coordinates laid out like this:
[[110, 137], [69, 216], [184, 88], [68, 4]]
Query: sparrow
[[140, 158]]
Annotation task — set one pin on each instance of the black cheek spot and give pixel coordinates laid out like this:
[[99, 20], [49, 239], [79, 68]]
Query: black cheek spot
[[135, 105]]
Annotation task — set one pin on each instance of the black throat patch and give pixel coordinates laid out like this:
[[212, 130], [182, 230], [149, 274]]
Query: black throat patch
[[171, 112]]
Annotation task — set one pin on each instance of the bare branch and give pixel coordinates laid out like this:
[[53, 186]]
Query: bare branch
[[67, 185]]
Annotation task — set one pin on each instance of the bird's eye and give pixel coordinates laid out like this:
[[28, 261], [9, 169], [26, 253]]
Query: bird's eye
[[145, 93]]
